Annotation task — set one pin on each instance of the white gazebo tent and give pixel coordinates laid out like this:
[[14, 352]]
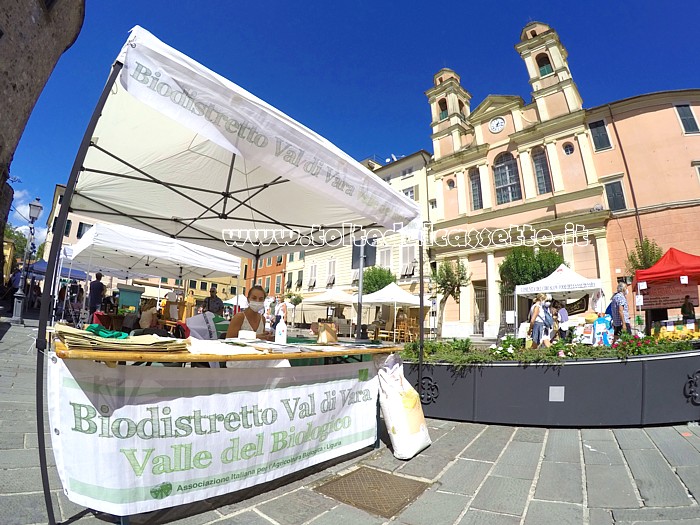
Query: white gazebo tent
[[144, 253], [239, 300], [332, 296], [392, 294], [563, 284], [176, 149]]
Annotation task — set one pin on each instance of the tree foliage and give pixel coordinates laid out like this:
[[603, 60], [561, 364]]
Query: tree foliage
[[644, 255], [524, 265], [295, 298], [376, 278], [40, 251], [17, 237], [449, 278]]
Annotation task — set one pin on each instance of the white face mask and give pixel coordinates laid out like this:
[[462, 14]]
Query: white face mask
[[256, 305], [547, 303]]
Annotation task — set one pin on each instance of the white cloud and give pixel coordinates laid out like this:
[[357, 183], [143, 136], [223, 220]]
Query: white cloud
[[39, 233], [19, 216]]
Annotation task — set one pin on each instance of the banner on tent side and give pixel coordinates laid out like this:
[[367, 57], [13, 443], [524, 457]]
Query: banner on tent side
[[131, 440], [668, 294]]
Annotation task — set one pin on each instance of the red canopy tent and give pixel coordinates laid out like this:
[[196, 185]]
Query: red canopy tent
[[672, 265]]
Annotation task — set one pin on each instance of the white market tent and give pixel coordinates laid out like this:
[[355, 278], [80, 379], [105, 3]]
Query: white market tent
[[330, 297], [562, 283], [144, 253], [181, 151], [239, 300], [392, 294], [176, 149]]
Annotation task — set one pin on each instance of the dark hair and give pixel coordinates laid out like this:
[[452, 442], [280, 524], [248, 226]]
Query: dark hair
[[256, 287], [98, 276]]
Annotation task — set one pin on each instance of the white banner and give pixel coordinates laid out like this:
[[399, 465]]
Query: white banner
[[133, 439]]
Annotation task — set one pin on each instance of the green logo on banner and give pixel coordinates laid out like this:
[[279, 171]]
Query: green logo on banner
[[161, 491], [363, 374]]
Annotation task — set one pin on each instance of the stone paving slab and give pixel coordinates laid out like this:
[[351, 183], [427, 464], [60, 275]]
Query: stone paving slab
[[600, 517], [562, 446], [602, 453], [609, 487], [345, 515], [245, 518], [298, 507], [676, 449], [440, 507], [519, 460], [490, 443], [464, 476], [425, 466], [632, 438], [654, 514], [478, 517], [690, 476], [560, 482], [503, 495], [597, 434], [551, 513], [531, 435], [658, 484], [23, 509]]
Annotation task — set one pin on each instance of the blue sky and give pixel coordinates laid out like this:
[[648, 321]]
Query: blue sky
[[356, 72]]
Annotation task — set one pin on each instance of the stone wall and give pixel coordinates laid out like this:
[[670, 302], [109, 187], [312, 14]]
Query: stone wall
[[33, 36]]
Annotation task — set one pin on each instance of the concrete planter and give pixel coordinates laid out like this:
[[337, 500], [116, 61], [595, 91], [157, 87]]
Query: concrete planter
[[645, 390]]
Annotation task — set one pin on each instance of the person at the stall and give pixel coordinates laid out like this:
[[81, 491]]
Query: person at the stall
[[250, 319], [212, 303], [149, 314], [537, 328], [688, 310], [97, 292], [563, 317], [190, 303], [620, 311]]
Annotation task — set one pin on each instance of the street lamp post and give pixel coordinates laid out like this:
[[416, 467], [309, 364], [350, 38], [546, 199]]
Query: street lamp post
[[34, 212]]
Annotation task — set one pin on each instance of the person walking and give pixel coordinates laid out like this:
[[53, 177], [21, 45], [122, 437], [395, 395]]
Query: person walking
[[688, 310], [620, 311], [280, 312], [563, 316]]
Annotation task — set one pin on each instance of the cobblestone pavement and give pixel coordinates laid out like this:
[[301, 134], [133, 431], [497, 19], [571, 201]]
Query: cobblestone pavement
[[478, 474]]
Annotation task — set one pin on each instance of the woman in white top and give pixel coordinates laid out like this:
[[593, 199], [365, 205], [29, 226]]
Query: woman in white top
[[149, 314], [250, 318]]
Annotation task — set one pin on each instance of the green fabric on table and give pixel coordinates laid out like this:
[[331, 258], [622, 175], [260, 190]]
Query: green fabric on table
[[100, 330], [221, 324]]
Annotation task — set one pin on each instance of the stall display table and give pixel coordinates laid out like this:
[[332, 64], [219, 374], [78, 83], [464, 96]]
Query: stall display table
[[156, 437]]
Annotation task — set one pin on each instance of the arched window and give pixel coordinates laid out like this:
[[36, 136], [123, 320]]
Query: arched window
[[544, 64], [544, 178], [450, 184], [462, 109], [475, 186], [506, 179], [442, 106]]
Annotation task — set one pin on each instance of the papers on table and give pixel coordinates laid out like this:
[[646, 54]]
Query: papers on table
[[76, 339], [218, 347]]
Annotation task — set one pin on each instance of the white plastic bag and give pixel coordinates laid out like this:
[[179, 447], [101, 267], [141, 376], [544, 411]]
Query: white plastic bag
[[402, 410]]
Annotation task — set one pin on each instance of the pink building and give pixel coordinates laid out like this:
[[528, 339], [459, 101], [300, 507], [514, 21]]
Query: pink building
[[588, 181]]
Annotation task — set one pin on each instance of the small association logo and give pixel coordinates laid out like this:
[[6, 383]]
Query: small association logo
[[162, 491]]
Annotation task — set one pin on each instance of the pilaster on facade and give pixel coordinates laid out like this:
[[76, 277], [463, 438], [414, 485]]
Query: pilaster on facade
[[584, 147], [528, 174], [493, 320], [462, 206], [603, 260], [555, 166], [484, 180]]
